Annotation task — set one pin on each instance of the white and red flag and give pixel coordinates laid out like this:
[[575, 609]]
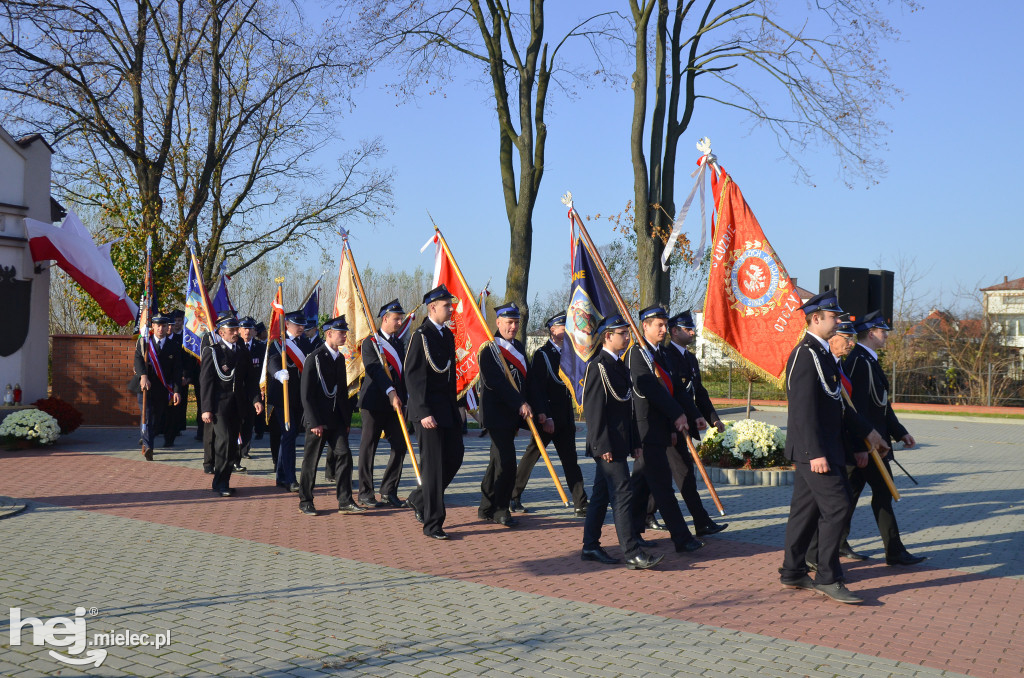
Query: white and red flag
[[348, 302]]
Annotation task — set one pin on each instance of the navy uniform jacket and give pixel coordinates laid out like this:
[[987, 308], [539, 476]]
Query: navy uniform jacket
[[685, 363], [816, 413], [170, 357], [547, 393], [258, 351], [373, 394], [499, 400], [870, 395], [227, 373], [275, 392], [608, 407], [430, 375], [324, 389], [656, 408]]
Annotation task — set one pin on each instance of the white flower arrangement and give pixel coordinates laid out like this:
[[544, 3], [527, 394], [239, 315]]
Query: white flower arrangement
[[32, 425], [746, 440]]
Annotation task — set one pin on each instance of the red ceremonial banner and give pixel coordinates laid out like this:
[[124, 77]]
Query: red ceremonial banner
[[751, 304]]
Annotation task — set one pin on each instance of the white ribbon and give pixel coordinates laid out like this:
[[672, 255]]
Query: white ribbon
[[708, 158]]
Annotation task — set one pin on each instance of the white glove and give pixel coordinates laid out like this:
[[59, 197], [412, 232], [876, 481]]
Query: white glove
[[281, 376]]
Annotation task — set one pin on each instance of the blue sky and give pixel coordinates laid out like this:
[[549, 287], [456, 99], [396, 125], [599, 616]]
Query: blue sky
[[947, 198]]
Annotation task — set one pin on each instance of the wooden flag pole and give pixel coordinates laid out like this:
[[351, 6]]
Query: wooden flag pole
[[624, 310], [284, 358], [490, 337], [874, 453], [144, 314], [387, 370]]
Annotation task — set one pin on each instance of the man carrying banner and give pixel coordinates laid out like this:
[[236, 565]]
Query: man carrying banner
[[433, 406], [689, 391], [504, 408], [327, 417], [612, 436], [158, 372], [297, 347], [552, 403], [379, 398], [661, 419], [814, 441], [229, 387]]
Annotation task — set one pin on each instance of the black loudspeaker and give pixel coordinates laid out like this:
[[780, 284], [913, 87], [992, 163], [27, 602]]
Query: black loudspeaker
[[880, 293], [851, 286]]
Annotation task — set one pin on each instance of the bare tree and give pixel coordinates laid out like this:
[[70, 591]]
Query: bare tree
[[741, 55]]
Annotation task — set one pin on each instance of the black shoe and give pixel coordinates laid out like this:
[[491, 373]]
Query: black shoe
[[643, 561], [838, 592], [371, 502], [332, 479], [283, 486], [168, 442], [845, 551], [689, 546], [228, 492], [438, 534], [259, 436], [238, 468], [646, 543], [351, 508], [207, 469], [294, 487], [246, 456], [394, 501], [711, 528], [506, 520], [483, 432], [147, 453], [803, 582], [598, 554], [415, 511], [307, 509], [580, 512], [516, 505], [653, 524], [903, 558]]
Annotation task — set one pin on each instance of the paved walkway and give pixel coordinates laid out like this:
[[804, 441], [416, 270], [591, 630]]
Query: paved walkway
[[248, 586]]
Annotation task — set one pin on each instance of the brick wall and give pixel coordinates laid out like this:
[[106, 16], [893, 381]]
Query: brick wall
[[91, 372]]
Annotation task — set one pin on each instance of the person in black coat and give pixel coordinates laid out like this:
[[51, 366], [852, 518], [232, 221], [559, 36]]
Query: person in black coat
[[689, 391], [433, 406], [552, 404], [189, 372], [163, 385], [870, 395], [504, 407], [278, 380], [816, 422], [229, 387], [257, 351], [612, 436], [660, 420], [381, 397], [327, 416], [261, 424]]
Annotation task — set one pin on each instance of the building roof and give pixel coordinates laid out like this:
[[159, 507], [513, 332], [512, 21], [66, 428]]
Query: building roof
[[1006, 285]]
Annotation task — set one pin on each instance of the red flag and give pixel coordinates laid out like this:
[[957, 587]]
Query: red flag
[[276, 311], [751, 304]]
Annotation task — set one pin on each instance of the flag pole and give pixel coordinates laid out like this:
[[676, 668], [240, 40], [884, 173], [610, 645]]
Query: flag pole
[[144, 314], [347, 252], [284, 358], [490, 337], [874, 453], [624, 310]]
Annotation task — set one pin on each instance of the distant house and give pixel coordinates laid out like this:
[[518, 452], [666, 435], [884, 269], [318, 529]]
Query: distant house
[[1004, 306]]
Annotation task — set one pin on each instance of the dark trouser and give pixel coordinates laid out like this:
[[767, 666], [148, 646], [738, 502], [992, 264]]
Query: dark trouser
[[285, 464], [248, 421], [274, 431], [611, 484], [652, 479], [224, 434], [881, 505], [500, 476], [157, 420], [441, 453], [564, 438], [337, 441], [199, 412], [209, 440], [374, 423], [260, 425], [821, 501], [684, 475], [176, 414]]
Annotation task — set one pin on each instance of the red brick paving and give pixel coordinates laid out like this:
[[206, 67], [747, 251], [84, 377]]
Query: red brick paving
[[945, 619]]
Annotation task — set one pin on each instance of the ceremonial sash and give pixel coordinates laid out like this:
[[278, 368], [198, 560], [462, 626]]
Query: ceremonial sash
[[663, 375], [391, 355], [155, 361], [847, 384], [512, 354], [295, 354]]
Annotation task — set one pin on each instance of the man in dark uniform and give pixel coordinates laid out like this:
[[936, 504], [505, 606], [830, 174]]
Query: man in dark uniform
[[552, 404], [870, 395], [433, 406], [208, 432], [612, 436], [327, 416], [229, 387], [690, 393], [381, 397], [178, 414], [260, 425], [504, 408], [814, 441], [161, 381], [312, 334], [290, 379], [257, 351], [661, 419]]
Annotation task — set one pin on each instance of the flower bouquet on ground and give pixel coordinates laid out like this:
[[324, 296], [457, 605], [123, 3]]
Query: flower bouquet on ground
[[67, 416], [29, 428], [746, 444]]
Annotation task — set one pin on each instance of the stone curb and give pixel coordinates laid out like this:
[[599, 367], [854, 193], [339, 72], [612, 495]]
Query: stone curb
[[761, 477]]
